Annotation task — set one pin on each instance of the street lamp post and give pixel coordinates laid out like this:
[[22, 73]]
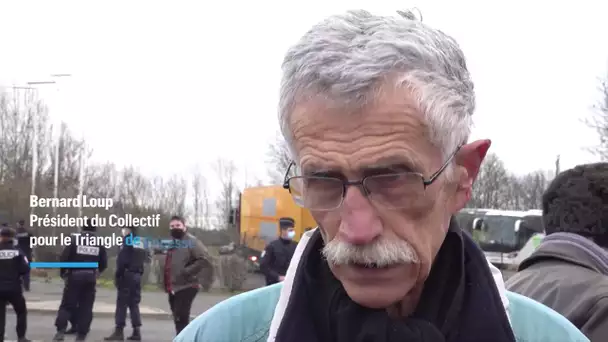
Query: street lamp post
[[56, 185], [58, 129], [56, 161], [34, 149], [56, 156], [81, 176]]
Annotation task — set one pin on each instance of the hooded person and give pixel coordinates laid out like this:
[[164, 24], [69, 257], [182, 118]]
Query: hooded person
[[377, 112], [569, 270], [278, 253]]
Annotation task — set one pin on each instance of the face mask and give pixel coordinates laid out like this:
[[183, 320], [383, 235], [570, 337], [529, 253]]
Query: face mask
[[291, 234], [177, 233], [126, 231]]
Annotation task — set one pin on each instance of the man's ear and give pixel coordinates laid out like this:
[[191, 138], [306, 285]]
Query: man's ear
[[471, 155], [469, 158]]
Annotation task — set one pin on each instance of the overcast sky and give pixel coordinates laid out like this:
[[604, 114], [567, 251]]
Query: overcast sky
[[166, 85]]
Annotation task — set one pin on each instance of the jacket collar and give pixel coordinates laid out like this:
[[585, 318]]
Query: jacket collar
[[291, 272]]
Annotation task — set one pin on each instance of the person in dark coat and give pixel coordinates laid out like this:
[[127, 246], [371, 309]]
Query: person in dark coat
[[80, 283], [277, 255], [22, 237], [74, 314], [129, 271], [186, 258], [569, 270], [13, 265]]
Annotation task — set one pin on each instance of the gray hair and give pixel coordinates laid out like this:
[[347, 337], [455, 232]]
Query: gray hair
[[346, 57]]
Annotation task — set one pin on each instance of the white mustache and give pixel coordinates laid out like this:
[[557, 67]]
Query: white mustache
[[382, 252]]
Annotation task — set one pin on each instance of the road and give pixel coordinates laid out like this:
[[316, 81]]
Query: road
[[41, 324], [41, 328], [42, 291]]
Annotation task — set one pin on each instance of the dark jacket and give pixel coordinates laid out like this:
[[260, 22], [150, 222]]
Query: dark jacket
[[23, 241], [276, 258], [184, 263], [13, 265], [131, 257], [83, 252], [568, 281]]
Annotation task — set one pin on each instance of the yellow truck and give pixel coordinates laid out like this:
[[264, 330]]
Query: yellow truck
[[258, 214]]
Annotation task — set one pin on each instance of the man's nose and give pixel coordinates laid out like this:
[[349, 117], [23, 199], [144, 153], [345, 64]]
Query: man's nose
[[359, 224]]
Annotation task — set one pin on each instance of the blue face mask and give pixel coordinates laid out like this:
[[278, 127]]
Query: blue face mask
[[291, 234]]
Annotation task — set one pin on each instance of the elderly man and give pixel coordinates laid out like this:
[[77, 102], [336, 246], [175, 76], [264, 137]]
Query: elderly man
[[569, 270], [377, 112]]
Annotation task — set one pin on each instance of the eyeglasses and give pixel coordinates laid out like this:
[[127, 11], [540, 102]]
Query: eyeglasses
[[397, 190]]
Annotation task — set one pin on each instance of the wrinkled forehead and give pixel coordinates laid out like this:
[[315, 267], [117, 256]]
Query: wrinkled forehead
[[389, 132]]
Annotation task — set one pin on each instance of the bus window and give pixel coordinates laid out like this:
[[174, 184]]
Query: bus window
[[525, 233], [478, 225], [498, 234]]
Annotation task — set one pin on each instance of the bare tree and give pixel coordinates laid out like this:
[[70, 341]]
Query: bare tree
[[201, 199], [172, 194], [497, 188], [599, 122], [491, 182], [278, 159], [533, 185], [205, 208], [225, 203]]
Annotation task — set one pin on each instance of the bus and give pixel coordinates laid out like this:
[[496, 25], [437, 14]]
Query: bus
[[507, 237], [470, 218]]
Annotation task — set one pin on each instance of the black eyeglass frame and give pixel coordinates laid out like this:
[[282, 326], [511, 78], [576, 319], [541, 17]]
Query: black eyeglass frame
[[361, 182]]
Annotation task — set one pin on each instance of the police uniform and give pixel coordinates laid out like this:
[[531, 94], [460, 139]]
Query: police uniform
[[22, 239], [129, 271], [79, 290], [74, 314], [277, 255], [13, 265]]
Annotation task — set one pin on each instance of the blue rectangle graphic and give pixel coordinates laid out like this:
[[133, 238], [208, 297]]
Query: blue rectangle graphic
[[64, 264]]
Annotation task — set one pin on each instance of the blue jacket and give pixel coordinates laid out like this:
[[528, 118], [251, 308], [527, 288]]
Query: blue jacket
[[255, 316]]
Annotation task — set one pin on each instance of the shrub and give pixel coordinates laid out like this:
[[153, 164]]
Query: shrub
[[233, 271], [207, 276]]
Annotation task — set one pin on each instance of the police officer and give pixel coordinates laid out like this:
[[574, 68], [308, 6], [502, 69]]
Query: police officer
[[74, 314], [79, 290], [23, 242], [277, 255], [13, 265], [129, 270]]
